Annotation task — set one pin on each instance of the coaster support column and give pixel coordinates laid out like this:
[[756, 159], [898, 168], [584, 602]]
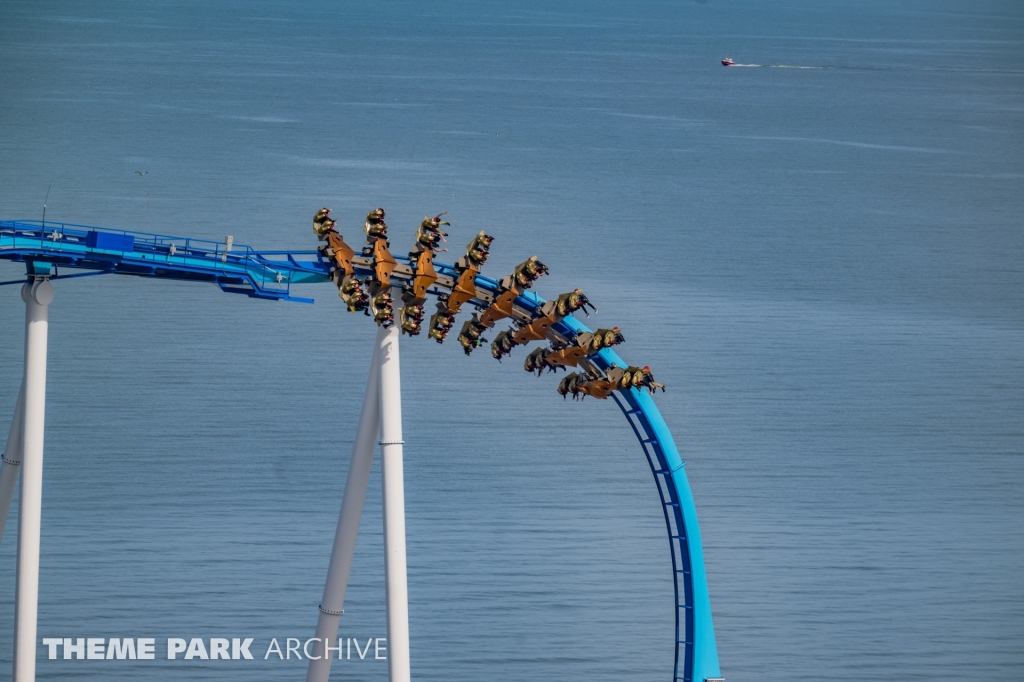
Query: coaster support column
[[333, 602], [37, 296], [395, 576]]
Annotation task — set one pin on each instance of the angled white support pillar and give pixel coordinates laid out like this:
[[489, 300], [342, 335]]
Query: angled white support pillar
[[333, 602], [11, 460], [394, 507], [37, 296]]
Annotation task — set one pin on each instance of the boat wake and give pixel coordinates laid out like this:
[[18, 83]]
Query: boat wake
[[729, 62], [780, 66]]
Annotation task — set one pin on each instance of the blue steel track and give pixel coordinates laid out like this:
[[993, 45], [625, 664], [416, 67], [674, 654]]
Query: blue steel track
[[46, 249]]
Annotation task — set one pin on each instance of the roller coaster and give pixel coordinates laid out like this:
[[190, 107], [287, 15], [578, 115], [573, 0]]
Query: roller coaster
[[371, 281]]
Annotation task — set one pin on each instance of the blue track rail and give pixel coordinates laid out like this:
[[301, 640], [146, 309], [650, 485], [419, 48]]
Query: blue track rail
[[270, 274], [696, 652]]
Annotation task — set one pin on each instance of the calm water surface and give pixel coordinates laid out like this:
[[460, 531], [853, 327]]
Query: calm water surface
[[823, 263]]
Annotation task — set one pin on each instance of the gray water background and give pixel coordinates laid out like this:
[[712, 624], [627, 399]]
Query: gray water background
[[824, 266]]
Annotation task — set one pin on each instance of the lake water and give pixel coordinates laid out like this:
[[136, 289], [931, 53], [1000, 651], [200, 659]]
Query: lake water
[[821, 257]]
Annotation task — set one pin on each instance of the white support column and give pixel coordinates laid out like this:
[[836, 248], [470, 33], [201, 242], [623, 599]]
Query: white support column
[[37, 296], [333, 602], [11, 466], [394, 507]]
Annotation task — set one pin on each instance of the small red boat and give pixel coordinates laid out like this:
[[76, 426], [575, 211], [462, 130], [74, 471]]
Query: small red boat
[[728, 62]]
